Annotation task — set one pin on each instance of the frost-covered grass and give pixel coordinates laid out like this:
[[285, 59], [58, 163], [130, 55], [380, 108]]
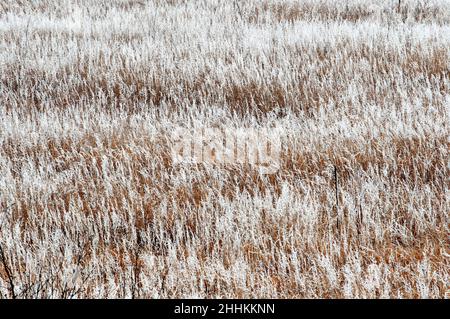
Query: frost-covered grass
[[91, 204]]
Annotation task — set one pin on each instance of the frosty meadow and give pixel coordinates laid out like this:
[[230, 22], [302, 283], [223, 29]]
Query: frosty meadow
[[95, 201]]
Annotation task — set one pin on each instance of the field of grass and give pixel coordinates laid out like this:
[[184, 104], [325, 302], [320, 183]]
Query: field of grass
[[93, 206]]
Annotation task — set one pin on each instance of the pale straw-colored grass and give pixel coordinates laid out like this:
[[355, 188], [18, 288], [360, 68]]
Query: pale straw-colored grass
[[92, 205]]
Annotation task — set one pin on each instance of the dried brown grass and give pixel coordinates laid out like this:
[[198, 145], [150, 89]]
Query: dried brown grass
[[92, 205]]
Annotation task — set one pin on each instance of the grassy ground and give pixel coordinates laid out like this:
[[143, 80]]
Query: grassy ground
[[92, 205]]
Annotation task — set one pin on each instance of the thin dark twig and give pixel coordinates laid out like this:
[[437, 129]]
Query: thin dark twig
[[336, 191], [6, 266], [8, 273], [336, 187]]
